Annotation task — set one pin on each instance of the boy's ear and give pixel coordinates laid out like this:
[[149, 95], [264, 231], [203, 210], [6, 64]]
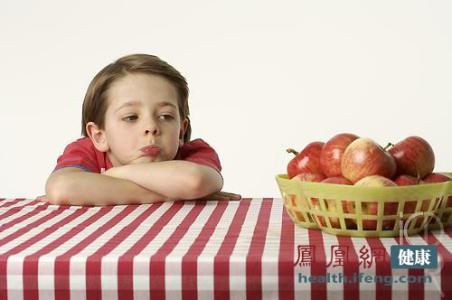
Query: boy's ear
[[183, 129], [97, 136]]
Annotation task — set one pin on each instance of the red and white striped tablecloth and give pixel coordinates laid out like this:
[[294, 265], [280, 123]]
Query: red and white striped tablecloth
[[246, 249]]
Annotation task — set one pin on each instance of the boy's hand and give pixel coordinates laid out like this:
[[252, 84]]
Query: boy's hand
[[223, 196]]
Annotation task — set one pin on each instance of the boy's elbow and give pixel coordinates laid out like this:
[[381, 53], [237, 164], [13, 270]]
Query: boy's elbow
[[205, 182], [56, 190]]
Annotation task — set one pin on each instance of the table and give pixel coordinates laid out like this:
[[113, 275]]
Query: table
[[247, 249]]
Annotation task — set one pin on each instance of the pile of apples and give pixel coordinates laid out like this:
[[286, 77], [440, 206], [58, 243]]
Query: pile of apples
[[352, 160]]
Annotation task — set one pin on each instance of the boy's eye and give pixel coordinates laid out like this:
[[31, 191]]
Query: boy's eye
[[166, 117], [130, 118]]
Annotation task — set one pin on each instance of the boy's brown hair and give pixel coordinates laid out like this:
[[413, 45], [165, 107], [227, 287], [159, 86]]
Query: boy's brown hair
[[95, 102]]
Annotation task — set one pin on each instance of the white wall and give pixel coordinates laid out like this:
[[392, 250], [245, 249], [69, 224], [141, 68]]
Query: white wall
[[264, 75]]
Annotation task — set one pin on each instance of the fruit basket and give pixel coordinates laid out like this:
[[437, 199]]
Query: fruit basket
[[364, 211]]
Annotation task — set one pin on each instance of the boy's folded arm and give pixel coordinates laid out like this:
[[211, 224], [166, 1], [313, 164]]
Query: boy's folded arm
[[73, 186], [175, 179]]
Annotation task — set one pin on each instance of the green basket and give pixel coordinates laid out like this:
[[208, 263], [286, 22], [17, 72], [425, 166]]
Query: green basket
[[364, 211]]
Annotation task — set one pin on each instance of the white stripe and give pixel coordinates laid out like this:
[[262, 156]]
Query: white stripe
[[432, 290], [270, 254], [57, 233], [70, 243], [21, 224], [366, 289], [78, 262], [46, 277], [335, 290], [166, 231], [237, 260], [443, 238], [302, 290], [399, 289], [206, 257], [173, 262], [77, 279], [14, 277], [109, 263], [31, 232]]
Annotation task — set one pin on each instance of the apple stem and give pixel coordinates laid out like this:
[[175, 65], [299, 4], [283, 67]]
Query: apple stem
[[290, 150], [388, 145]]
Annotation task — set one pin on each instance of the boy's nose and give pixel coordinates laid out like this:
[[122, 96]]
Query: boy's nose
[[154, 131]]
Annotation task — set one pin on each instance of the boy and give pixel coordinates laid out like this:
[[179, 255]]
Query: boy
[[136, 146]]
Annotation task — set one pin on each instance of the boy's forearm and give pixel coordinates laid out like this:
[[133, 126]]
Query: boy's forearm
[[175, 179], [86, 188]]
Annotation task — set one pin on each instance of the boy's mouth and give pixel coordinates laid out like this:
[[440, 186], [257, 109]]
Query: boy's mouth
[[151, 150]]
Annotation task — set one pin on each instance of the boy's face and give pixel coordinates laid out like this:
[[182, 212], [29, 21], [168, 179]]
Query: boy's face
[[142, 111]]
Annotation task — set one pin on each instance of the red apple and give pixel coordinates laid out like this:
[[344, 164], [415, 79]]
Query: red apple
[[410, 206], [414, 156], [337, 180], [332, 151], [314, 177], [363, 157], [436, 177], [331, 204], [406, 180], [305, 176], [371, 208], [307, 161], [439, 177]]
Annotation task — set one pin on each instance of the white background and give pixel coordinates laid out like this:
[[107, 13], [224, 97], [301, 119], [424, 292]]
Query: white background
[[263, 75]]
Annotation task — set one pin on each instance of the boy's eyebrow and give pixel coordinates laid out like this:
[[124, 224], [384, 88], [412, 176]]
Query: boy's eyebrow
[[138, 103]]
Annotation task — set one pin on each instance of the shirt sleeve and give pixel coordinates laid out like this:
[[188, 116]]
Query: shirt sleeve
[[79, 154], [198, 151]]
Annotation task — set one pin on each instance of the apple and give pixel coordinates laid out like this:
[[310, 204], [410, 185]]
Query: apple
[[313, 177], [364, 157], [413, 156], [402, 180], [307, 176], [407, 180], [436, 177], [332, 151], [306, 161], [331, 204], [371, 208], [439, 177], [337, 180]]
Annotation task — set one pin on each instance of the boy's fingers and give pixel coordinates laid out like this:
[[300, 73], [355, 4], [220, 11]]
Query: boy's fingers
[[223, 196], [42, 198]]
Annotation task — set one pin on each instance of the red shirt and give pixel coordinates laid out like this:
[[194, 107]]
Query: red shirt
[[82, 154]]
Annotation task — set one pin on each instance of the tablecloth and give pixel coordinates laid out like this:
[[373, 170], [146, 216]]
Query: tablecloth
[[247, 249]]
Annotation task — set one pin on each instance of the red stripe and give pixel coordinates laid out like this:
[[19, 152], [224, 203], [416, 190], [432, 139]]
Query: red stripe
[[93, 262], [318, 264], [31, 261], [125, 261], [9, 203], [221, 260], [286, 258], [254, 257], [62, 262], [446, 270], [415, 289], [382, 268], [16, 234], [30, 226], [351, 267], [190, 259], [157, 262], [16, 209]]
